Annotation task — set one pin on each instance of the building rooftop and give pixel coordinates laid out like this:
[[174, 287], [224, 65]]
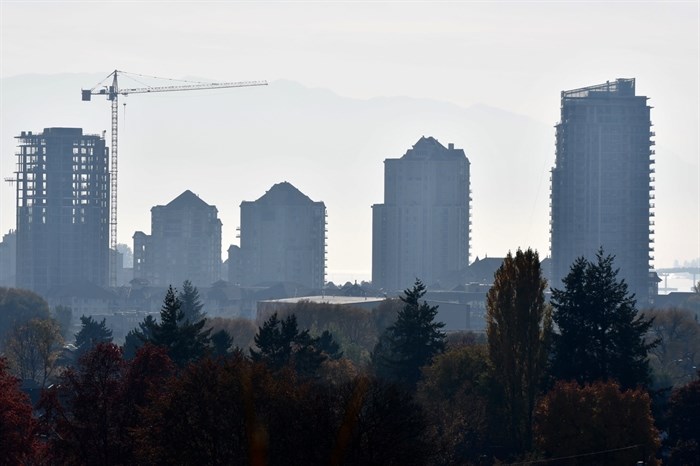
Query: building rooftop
[[431, 148], [284, 194], [328, 300], [621, 87], [187, 199]]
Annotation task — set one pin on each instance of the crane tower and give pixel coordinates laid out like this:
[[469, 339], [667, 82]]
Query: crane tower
[[112, 92]]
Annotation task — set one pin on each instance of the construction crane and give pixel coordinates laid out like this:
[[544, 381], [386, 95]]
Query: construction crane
[[112, 92]]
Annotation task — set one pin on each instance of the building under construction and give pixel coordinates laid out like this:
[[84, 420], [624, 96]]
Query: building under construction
[[603, 183], [62, 181]]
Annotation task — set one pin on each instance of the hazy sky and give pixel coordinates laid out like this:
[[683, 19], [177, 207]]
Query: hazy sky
[[515, 56]]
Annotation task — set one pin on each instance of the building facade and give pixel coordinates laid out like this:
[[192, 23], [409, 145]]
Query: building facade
[[603, 183], [62, 184], [422, 230], [8, 259], [184, 244], [282, 239]]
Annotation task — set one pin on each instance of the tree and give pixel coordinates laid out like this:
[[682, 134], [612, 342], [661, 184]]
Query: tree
[[596, 424], [81, 411], [675, 359], [454, 394], [241, 330], [221, 343], [601, 336], [411, 342], [90, 414], [191, 305], [91, 334], [19, 306], [33, 349], [281, 344], [64, 317], [18, 428], [518, 326], [684, 427], [184, 340], [137, 337]]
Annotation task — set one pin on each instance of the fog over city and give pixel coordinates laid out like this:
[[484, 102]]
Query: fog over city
[[349, 86]]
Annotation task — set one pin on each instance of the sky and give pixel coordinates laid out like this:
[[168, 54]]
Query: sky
[[514, 56]]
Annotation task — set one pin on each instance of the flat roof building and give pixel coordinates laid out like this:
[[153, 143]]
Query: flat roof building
[[603, 183], [62, 181]]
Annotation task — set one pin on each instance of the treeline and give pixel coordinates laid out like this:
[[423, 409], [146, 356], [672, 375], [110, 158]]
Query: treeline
[[570, 382]]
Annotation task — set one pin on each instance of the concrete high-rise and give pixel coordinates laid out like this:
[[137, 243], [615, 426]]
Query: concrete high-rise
[[62, 184], [423, 228], [184, 244], [282, 238], [602, 182]]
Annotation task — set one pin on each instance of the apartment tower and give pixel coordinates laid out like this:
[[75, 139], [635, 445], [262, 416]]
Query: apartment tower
[[603, 183], [184, 244], [282, 239], [62, 181], [423, 228]]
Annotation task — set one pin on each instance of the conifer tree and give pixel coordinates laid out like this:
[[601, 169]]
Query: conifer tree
[[601, 336], [190, 303], [136, 337], [185, 341], [411, 341], [280, 343], [91, 334]]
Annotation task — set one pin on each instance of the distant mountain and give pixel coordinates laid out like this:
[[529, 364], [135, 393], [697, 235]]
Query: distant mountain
[[232, 145]]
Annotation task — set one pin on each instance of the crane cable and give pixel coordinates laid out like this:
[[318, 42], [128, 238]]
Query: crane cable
[[593, 453]]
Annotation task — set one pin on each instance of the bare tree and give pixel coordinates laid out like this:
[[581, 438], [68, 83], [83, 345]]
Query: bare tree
[[33, 349]]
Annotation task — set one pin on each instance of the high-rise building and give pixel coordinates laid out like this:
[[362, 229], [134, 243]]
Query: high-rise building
[[423, 228], [602, 182], [184, 244], [8, 259], [62, 181], [282, 238]]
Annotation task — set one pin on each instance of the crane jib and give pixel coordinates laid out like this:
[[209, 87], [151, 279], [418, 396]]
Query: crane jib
[[112, 93]]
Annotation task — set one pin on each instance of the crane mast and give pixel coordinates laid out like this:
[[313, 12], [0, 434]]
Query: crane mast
[[112, 93]]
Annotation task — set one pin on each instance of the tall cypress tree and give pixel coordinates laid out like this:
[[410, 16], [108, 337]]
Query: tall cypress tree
[[518, 325], [601, 335]]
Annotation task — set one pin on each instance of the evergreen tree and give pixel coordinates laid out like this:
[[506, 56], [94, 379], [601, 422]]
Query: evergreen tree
[[91, 334], [518, 326], [601, 336], [190, 303], [280, 343], [411, 342], [329, 346], [136, 337], [185, 341], [221, 343]]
